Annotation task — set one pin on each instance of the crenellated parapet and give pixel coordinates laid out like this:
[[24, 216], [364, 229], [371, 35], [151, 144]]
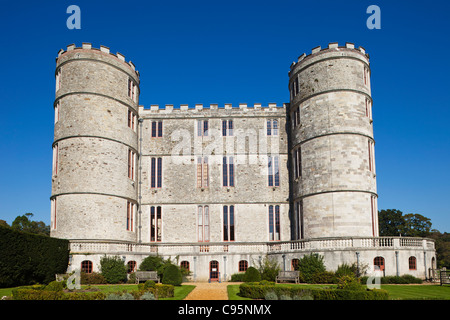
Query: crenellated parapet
[[332, 47], [199, 107], [103, 50]]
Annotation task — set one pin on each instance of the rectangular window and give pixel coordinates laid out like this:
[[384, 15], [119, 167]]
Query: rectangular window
[[157, 129], [130, 216], [53, 213], [300, 228], [202, 128], [203, 223], [58, 79], [297, 157], [132, 90], [155, 224], [131, 163], [272, 127], [227, 128], [132, 120], [228, 223], [296, 117], [156, 172], [57, 112], [274, 223], [371, 156], [55, 159], [274, 173], [228, 171], [368, 110], [202, 172]]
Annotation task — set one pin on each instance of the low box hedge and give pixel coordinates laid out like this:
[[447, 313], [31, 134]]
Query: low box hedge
[[40, 294], [259, 291]]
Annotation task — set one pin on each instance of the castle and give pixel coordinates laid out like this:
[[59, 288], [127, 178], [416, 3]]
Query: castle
[[217, 188]]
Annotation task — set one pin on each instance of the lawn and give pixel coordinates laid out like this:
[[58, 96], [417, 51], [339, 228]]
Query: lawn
[[396, 292]]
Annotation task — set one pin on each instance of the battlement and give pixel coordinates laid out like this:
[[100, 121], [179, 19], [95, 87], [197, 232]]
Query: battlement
[[155, 108], [331, 46], [106, 50]]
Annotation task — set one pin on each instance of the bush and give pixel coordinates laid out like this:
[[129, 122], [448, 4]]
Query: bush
[[347, 270], [92, 278], [323, 277], [349, 282], [260, 291], [309, 265], [25, 293], [405, 279], [158, 291], [55, 286], [252, 275], [172, 275], [269, 269], [237, 277], [113, 269]]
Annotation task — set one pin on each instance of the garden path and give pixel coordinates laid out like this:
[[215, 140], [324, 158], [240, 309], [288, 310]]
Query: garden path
[[208, 291]]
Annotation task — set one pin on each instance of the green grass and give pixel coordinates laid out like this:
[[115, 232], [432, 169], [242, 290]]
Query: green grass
[[396, 292], [417, 292]]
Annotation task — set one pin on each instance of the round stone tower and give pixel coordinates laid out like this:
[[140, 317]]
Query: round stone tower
[[94, 185], [331, 144]]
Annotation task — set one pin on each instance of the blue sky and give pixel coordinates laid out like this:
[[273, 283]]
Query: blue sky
[[230, 52]]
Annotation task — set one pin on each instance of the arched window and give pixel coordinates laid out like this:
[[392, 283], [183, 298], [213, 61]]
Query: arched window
[[295, 263], [131, 266], [185, 265], [412, 263], [243, 265], [86, 266], [379, 261]]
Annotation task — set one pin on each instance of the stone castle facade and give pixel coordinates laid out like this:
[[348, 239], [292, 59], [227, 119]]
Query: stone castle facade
[[219, 188]]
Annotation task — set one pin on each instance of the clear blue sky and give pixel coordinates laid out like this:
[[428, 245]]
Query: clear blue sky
[[230, 52]]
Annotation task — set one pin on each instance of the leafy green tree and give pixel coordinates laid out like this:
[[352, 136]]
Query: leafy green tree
[[24, 223], [172, 275], [310, 265], [252, 275], [417, 225], [113, 269], [391, 222]]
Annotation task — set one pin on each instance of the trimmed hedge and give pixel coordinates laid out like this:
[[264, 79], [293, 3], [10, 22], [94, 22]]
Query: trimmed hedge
[[259, 291], [28, 258], [42, 294]]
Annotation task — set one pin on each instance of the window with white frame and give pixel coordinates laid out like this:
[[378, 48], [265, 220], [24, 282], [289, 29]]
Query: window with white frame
[[55, 159], [228, 171], [274, 171], [156, 173], [227, 128], [272, 127], [155, 224], [228, 223], [202, 128], [274, 223], [58, 79], [203, 223], [202, 172]]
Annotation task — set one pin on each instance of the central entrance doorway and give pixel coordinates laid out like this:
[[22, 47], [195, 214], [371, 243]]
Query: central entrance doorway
[[214, 270]]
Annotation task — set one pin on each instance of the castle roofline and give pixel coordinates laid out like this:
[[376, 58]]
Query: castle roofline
[[331, 46], [214, 106], [103, 49]]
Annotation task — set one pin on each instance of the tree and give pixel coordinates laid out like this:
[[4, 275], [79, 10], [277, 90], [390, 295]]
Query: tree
[[391, 222], [113, 269], [417, 225], [24, 223]]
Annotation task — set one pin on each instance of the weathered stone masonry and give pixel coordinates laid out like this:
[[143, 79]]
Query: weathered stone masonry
[[299, 177]]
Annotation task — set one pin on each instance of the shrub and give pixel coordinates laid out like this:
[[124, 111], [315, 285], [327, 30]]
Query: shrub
[[113, 269], [258, 291], [346, 270], [237, 277], [269, 269], [252, 275], [309, 265], [92, 278], [323, 277], [148, 296], [405, 279], [55, 286], [349, 282], [172, 275]]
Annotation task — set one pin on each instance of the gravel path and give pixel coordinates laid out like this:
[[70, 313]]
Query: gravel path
[[208, 291]]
